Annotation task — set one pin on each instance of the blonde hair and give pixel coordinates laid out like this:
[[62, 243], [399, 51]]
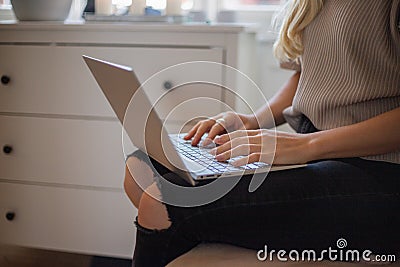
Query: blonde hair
[[296, 15]]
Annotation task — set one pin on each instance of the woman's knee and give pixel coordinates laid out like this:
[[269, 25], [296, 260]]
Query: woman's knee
[[138, 176], [153, 213]]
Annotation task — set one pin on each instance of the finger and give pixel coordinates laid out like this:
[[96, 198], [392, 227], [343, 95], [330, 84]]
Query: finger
[[241, 150], [216, 129], [253, 157], [222, 139], [229, 145], [203, 128], [192, 131], [236, 134], [236, 142]]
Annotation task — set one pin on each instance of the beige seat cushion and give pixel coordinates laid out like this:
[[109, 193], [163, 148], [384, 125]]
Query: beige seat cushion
[[220, 255]]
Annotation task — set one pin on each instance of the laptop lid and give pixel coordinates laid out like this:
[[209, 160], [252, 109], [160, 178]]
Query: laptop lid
[[143, 125]]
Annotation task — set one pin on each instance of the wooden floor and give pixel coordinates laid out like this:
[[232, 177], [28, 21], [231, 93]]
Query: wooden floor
[[11, 256]]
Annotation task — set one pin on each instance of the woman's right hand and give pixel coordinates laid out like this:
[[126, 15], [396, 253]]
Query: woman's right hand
[[223, 123]]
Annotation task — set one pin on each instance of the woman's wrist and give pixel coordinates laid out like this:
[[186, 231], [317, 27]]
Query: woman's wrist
[[249, 121], [316, 146]]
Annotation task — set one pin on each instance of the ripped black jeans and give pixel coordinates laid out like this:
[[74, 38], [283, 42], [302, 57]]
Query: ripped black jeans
[[305, 208]]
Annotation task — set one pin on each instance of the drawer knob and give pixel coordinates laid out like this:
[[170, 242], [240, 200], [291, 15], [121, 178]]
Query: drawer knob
[[5, 80], [168, 85], [10, 216], [7, 149]]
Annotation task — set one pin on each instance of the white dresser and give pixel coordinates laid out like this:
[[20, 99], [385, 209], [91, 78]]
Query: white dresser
[[61, 158]]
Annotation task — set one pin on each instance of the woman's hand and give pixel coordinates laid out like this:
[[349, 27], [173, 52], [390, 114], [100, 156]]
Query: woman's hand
[[223, 123], [264, 146]]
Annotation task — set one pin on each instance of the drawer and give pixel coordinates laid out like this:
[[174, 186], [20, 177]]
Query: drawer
[[74, 220], [62, 151], [55, 79]]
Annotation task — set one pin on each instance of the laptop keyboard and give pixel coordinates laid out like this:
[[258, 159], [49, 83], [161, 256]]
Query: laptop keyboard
[[202, 156]]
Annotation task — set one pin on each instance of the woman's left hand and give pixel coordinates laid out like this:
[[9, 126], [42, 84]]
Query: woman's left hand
[[264, 146]]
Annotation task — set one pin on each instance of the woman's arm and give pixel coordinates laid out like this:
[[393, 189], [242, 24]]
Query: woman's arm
[[378, 135], [375, 136], [281, 100]]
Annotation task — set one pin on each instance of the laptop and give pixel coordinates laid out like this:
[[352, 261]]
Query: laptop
[[146, 131]]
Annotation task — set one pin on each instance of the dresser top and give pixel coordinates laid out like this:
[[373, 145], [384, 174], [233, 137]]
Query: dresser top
[[11, 25]]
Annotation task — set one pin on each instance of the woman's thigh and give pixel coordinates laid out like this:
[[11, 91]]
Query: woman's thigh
[[309, 207]]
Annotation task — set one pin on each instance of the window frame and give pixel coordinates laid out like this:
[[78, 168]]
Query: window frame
[[6, 5], [244, 7]]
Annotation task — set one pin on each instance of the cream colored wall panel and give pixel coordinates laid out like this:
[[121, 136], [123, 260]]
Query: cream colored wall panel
[[55, 80], [85, 221]]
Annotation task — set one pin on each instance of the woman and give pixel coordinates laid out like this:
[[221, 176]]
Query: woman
[[344, 103]]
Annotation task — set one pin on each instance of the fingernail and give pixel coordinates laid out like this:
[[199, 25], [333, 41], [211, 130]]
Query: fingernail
[[219, 157], [207, 141], [213, 151], [235, 163]]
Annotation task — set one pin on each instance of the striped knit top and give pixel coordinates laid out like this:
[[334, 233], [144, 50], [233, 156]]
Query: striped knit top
[[350, 68]]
